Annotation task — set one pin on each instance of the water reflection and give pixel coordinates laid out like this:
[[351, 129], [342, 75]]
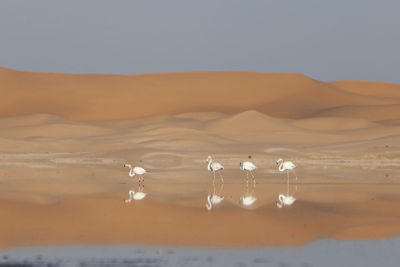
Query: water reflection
[[214, 198], [135, 196], [248, 198], [286, 200]]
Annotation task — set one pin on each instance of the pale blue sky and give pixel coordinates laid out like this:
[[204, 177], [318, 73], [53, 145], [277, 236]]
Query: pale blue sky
[[325, 39]]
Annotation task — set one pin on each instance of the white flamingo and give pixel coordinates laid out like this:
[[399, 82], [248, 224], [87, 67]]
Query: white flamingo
[[135, 196], [247, 201], [213, 200], [136, 171], [286, 166], [215, 167], [248, 167], [285, 200]]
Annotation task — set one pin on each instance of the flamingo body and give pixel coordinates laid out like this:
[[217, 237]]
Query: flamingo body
[[214, 166], [135, 170], [247, 166], [285, 165]]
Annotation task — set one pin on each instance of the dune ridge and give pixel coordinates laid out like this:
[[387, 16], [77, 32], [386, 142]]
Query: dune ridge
[[284, 95]]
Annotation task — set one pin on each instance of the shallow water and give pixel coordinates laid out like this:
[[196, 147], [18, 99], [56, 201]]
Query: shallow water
[[324, 252]]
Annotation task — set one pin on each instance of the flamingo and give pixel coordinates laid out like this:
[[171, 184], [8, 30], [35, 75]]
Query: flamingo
[[286, 166], [248, 167], [285, 200], [213, 200], [138, 171], [135, 196], [215, 167]]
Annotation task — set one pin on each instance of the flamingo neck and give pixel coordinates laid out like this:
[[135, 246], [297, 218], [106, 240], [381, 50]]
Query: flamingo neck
[[209, 165], [131, 173], [281, 168], [281, 198]]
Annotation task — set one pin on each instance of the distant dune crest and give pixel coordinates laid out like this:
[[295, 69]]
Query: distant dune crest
[[79, 97]]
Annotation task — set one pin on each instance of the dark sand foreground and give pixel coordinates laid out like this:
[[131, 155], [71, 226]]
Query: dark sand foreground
[[329, 253]]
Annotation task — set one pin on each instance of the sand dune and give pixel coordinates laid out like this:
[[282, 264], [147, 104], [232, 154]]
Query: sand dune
[[376, 113], [196, 130], [82, 97], [247, 121], [333, 123], [379, 89], [28, 120]]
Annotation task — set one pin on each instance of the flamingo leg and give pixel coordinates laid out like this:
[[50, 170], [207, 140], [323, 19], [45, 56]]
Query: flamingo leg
[[222, 182], [247, 183], [287, 183], [220, 176], [296, 177], [139, 182], [254, 182], [213, 182]]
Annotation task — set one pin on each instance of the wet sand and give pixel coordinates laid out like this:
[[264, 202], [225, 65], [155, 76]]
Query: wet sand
[[344, 211]]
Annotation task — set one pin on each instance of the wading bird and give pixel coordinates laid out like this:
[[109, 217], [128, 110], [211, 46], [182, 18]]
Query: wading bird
[[139, 171], [215, 167], [286, 166]]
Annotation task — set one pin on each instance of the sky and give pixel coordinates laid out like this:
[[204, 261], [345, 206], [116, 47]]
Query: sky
[[324, 39]]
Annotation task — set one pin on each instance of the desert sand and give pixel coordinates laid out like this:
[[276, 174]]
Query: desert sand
[[65, 137]]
